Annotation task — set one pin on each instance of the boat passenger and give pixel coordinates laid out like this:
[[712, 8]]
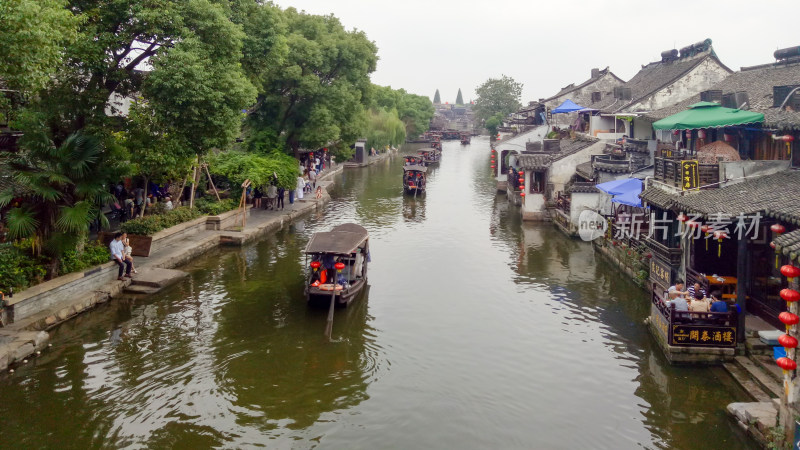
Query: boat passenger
[[699, 303], [718, 304], [676, 290]]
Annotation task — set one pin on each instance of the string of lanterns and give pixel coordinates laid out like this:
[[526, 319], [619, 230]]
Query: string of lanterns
[[790, 319]]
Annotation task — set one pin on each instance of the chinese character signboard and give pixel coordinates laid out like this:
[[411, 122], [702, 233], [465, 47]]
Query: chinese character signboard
[[690, 174], [703, 336], [660, 273]]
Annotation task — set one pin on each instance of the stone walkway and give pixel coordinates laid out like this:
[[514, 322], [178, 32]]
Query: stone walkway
[[22, 339]]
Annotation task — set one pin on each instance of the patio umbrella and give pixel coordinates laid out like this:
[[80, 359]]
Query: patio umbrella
[[630, 198], [619, 187], [707, 115]]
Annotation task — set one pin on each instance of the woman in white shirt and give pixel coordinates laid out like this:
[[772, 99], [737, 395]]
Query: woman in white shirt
[[301, 185]]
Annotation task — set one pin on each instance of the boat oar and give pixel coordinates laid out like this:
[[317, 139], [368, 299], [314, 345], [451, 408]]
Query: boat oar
[[329, 325]]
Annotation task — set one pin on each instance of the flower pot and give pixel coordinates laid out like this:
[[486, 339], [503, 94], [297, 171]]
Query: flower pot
[[140, 244]]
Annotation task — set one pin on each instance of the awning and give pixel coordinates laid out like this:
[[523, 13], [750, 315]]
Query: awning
[[629, 198], [707, 115], [567, 107], [620, 187]]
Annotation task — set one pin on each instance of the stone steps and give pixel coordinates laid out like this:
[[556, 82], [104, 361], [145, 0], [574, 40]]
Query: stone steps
[[140, 289], [747, 383], [767, 364], [157, 278], [765, 381]]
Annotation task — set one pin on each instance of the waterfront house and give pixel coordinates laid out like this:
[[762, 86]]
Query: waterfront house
[[510, 148], [598, 87]]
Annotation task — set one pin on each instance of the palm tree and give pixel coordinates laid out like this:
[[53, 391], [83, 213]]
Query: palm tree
[[55, 193]]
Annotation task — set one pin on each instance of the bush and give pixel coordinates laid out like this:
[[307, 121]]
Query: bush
[[213, 207], [152, 224], [94, 253], [19, 269]]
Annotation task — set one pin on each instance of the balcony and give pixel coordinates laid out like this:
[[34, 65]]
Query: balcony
[[672, 256], [667, 169]]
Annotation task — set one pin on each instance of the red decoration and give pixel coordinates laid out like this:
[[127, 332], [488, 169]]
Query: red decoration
[[787, 341], [790, 295], [492, 166], [705, 229], [521, 173], [522, 180], [315, 265], [727, 137], [682, 217], [692, 224], [786, 363], [790, 271], [720, 235], [772, 245], [777, 228], [522, 194], [788, 318], [339, 266]]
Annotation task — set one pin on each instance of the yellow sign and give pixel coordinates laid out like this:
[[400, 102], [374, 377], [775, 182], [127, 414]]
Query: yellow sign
[[703, 336], [660, 273], [690, 174]]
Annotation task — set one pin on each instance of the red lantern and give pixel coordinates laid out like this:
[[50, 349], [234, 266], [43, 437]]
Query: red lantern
[[676, 132], [777, 228], [339, 266], [315, 265], [706, 229], [522, 180], [492, 166], [727, 137], [521, 173], [772, 246], [522, 194], [788, 318], [719, 235], [786, 364], [692, 224], [791, 272], [790, 295], [787, 341]]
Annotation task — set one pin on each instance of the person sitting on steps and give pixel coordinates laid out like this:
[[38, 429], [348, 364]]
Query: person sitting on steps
[[117, 249]]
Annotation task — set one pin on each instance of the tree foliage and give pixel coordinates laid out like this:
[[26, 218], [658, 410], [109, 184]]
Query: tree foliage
[[384, 128], [238, 166], [415, 111], [437, 99], [459, 98], [313, 96], [498, 96]]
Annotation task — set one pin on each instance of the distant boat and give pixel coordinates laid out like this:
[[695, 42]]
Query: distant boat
[[465, 138], [338, 268], [430, 156]]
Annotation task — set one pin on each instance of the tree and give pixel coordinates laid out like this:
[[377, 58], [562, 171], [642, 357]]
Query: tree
[[493, 123], [497, 96], [416, 111], [384, 128], [58, 191], [437, 99], [314, 97], [459, 98], [239, 166]]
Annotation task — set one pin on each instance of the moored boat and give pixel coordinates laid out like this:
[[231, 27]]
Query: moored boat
[[338, 265], [414, 179]]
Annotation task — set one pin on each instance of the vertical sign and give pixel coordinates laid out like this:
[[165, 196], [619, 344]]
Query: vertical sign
[[690, 174], [660, 273]]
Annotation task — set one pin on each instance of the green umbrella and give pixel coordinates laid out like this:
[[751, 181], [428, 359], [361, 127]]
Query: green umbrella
[[707, 115]]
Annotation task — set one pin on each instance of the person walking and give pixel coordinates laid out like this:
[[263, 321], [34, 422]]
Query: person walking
[[257, 195], [117, 249], [281, 192], [312, 178], [301, 186]]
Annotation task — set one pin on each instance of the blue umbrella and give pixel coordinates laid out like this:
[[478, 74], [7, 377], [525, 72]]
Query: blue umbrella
[[619, 187], [567, 107], [629, 198]]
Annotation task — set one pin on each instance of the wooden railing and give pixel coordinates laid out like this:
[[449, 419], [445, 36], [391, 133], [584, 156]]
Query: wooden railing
[[668, 171], [696, 329]]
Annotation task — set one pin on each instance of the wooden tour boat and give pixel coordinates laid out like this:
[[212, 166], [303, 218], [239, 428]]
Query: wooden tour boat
[[465, 138], [414, 179], [430, 156], [338, 267]]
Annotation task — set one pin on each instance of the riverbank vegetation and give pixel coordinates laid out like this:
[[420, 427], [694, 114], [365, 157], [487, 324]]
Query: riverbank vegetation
[[100, 91], [497, 98]]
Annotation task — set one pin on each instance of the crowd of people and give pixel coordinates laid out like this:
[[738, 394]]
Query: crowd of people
[[695, 299]]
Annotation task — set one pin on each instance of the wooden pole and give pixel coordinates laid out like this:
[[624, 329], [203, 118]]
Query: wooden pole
[[195, 173], [205, 166], [183, 186]]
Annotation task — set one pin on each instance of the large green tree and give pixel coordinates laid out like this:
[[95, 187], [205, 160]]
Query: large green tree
[[497, 96], [416, 111], [313, 97]]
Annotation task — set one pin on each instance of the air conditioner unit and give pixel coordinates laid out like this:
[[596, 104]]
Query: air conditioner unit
[[779, 94], [729, 100]]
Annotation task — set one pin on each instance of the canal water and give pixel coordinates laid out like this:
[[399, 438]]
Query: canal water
[[478, 331]]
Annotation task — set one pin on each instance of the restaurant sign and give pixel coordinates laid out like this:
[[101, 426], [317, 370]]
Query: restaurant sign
[[703, 336], [690, 174], [660, 273]]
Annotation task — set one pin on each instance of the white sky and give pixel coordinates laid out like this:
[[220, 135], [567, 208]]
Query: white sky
[[546, 45]]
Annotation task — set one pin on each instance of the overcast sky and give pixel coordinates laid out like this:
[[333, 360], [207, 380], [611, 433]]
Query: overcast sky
[[450, 44]]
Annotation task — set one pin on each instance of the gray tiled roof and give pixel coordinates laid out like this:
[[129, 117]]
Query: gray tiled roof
[[585, 170], [570, 146], [652, 78], [534, 162], [583, 100], [584, 188], [776, 195], [789, 244], [658, 197], [757, 82]]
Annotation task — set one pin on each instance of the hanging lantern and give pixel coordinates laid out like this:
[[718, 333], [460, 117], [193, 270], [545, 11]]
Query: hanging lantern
[[522, 194], [692, 224], [719, 236], [788, 319], [676, 132], [786, 364], [521, 173], [339, 266], [707, 233], [521, 180], [315, 265], [777, 228], [492, 166], [790, 295], [787, 341], [791, 272], [727, 137]]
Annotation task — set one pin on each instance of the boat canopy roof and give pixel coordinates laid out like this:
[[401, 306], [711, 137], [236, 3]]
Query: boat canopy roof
[[415, 168], [341, 240]]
